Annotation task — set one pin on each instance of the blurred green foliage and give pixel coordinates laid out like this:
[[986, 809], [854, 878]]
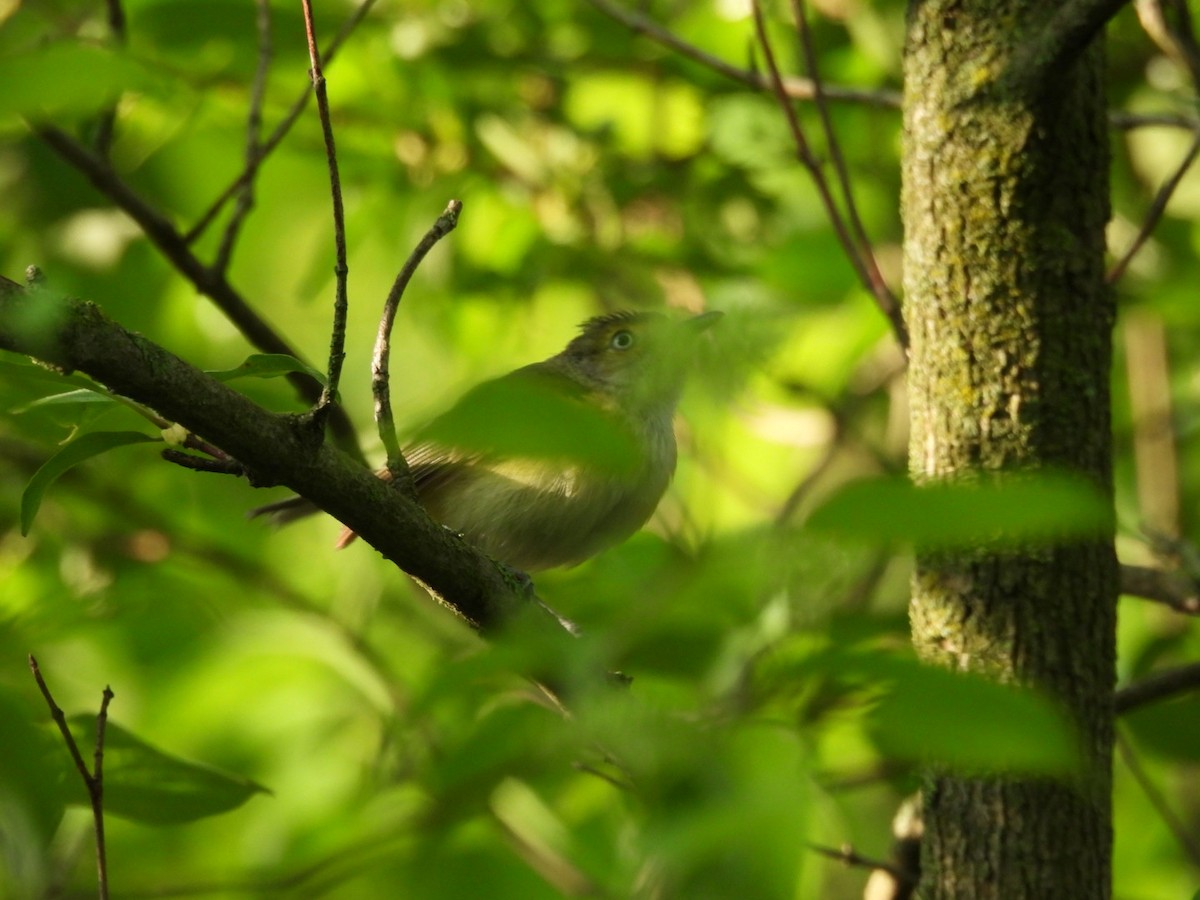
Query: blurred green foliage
[[773, 702]]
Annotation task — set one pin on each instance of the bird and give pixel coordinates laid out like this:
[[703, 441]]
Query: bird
[[554, 462]]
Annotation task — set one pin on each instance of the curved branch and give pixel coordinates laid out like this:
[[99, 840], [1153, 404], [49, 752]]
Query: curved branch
[[274, 449], [380, 378]]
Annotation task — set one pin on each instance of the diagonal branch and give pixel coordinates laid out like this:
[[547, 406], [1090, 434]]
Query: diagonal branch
[[245, 194], [276, 137], [1155, 213], [274, 449], [875, 283], [883, 298], [796, 88], [1181, 831]]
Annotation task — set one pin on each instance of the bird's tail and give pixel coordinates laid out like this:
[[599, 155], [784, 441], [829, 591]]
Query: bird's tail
[[284, 512]]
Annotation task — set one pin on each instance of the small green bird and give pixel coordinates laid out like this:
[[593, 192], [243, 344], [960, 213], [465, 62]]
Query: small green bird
[[556, 461]]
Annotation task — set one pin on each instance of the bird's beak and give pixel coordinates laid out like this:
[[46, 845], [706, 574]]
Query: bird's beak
[[702, 322]]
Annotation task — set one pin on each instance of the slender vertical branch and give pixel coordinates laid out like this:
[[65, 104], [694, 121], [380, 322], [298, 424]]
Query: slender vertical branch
[[245, 193], [94, 780], [380, 377], [96, 790], [337, 338], [805, 156], [108, 119]]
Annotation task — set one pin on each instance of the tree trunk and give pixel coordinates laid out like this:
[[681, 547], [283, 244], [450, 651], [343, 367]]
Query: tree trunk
[[1005, 202]]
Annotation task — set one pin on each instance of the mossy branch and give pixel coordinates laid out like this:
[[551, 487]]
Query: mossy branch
[[273, 449]]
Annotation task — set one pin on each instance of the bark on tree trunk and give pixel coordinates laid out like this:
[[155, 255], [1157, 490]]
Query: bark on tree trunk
[[1005, 201]]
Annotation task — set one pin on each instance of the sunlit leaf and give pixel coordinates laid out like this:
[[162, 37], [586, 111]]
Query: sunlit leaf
[[71, 455], [1003, 510], [925, 713], [534, 417], [968, 722], [147, 785]]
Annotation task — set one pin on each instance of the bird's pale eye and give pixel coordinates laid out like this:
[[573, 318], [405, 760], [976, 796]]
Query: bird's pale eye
[[621, 340]]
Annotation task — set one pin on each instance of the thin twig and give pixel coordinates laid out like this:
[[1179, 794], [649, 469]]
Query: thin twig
[[1181, 832], [211, 284], [380, 378], [804, 155], [1173, 589], [98, 791], [803, 88], [796, 88], [203, 464], [1156, 686], [341, 305], [848, 855], [1156, 210], [1129, 121], [281, 130], [878, 286], [245, 194], [93, 781], [108, 119]]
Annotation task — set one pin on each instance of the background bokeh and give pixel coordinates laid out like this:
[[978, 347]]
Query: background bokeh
[[774, 701]]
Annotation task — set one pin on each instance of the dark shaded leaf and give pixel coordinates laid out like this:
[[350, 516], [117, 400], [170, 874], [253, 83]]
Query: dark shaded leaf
[[147, 785]]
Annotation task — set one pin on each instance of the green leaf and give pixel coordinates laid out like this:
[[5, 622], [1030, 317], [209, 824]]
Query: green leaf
[[1003, 510], [268, 365], [81, 395], [968, 722], [930, 714], [534, 415], [145, 784], [23, 371], [72, 454]]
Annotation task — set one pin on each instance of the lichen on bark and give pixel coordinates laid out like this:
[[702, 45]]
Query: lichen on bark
[[1004, 205]]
